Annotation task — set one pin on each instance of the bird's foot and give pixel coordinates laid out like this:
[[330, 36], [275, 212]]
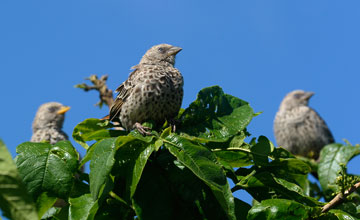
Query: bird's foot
[[173, 123], [142, 129]]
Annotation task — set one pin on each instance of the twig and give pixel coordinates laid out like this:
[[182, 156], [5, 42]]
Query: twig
[[106, 95], [339, 198]]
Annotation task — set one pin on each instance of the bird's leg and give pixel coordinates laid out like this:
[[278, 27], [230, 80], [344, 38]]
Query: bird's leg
[[142, 129], [173, 122]]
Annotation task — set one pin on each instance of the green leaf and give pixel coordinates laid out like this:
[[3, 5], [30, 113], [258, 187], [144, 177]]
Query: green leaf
[[47, 168], [131, 156], [15, 202], [153, 198], [292, 170], [260, 183], [234, 153], [158, 144], [349, 207], [286, 166], [279, 209], [166, 132], [341, 215], [234, 158], [83, 208], [101, 164], [193, 198], [88, 155], [54, 213], [331, 156], [112, 209], [262, 150], [241, 209], [202, 162], [215, 116], [94, 129], [44, 203]]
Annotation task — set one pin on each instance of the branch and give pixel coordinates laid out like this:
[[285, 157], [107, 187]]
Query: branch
[[339, 198], [106, 95]]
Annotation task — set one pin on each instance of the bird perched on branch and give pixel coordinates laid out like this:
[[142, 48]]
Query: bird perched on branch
[[48, 123], [153, 91], [300, 129]]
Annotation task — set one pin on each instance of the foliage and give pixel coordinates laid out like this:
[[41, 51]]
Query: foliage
[[184, 174], [15, 202]]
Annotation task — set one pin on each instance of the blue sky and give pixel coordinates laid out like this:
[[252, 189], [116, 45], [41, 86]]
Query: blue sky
[[255, 50]]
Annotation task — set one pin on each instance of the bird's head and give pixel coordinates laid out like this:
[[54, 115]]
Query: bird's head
[[160, 53], [296, 98], [51, 114]]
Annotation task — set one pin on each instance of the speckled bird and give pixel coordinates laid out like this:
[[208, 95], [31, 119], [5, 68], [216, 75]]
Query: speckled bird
[[153, 91], [299, 128], [48, 123]]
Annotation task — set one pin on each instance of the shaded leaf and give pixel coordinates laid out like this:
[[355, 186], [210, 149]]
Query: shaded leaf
[[341, 215], [349, 207], [203, 164], [111, 209], [290, 166], [153, 198], [47, 168], [193, 198], [292, 170], [241, 209], [260, 183], [131, 156], [261, 150], [15, 202]]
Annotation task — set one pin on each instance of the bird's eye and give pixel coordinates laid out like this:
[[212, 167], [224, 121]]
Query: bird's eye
[[161, 49], [297, 96], [52, 109]]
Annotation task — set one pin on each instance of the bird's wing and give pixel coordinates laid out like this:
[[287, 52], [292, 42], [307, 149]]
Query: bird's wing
[[308, 116], [124, 91], [322, 126]]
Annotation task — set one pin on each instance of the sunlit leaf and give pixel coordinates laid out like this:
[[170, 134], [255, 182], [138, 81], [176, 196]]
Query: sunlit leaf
[[279, 209], [215, 116], [47, 168]]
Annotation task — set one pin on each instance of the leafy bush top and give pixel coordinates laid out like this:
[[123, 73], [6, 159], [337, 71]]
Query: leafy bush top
[[182, 175]]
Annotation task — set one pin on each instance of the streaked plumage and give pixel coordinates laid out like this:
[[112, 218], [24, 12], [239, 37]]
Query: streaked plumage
[[153, 91], [300, 129], [48, 123]]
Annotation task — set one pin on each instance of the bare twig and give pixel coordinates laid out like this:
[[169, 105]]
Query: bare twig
[[339, 198], [106, 95]]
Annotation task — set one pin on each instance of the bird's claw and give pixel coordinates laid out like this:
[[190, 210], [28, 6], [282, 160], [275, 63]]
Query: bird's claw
[[142, 129]]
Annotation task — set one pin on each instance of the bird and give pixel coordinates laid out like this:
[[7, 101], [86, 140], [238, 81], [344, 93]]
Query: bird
[[47, 126], [298, 128], [48, 123], [153, 91]]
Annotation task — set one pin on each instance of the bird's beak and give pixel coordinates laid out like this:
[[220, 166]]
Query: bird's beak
[[63, 110], [174, 51], [308, 95]]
